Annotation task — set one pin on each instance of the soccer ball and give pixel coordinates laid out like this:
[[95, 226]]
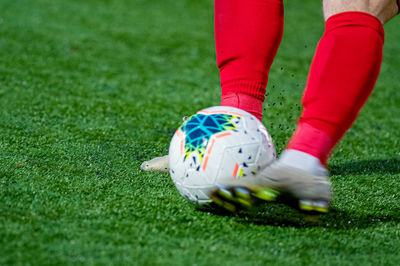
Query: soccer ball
[[214, 145]]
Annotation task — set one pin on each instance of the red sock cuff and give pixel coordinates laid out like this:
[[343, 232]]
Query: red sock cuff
[[313, 141], [354, 19], [253, 88], [245, 102]]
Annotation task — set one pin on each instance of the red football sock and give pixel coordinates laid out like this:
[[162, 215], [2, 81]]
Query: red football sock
[[245, 102], [247, 37], [342, 76]]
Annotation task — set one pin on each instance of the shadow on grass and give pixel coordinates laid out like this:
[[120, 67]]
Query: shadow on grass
[[367, 167], [280, 214]]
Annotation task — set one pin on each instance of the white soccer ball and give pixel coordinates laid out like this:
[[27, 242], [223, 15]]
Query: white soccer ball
[[217, 144]]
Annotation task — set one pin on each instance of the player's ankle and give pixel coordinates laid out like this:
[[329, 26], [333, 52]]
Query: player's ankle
[[243, 101], [313, 141], [303, 161]]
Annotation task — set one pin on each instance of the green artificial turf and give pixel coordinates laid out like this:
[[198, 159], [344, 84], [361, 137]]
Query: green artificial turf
[[89, 89]]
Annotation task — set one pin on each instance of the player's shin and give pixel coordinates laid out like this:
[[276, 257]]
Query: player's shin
[[247, 37], [342, 76]]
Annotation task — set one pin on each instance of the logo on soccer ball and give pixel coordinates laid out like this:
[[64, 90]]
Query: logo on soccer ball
[[200, 128]]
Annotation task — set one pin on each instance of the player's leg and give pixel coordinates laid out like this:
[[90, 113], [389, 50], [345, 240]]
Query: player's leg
[[247, 37], [383, 10], [343, 73]]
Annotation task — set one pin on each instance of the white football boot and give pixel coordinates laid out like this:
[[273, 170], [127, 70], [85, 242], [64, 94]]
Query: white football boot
[[158, 164], [313, 190]]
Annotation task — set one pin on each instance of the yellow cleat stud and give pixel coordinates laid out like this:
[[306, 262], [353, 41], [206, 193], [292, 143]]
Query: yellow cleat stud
[[305, 207], [245, 203], [266, 194], [321, 209], [230, 207], [243, 194], [225, 193]]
